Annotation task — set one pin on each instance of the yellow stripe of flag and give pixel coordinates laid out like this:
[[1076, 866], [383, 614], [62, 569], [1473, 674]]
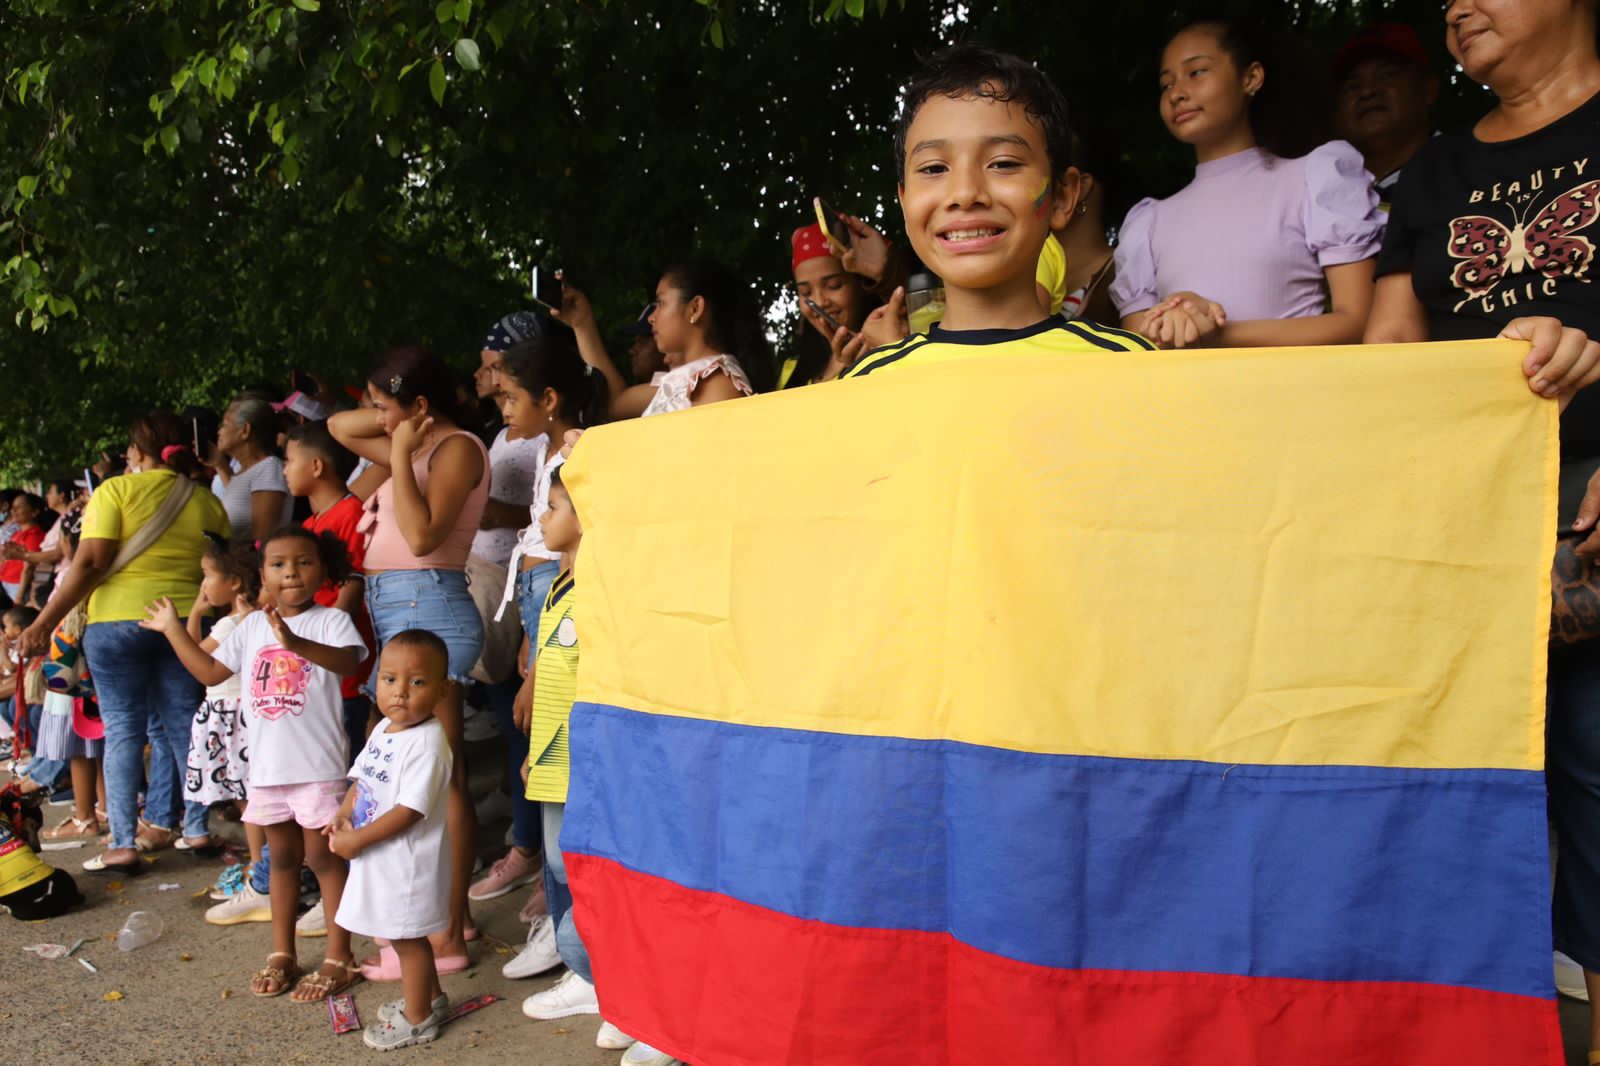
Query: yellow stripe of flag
[[1308, 556]]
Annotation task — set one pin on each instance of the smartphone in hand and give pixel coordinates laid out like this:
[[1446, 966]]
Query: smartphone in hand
[[833, 323], [545, 288], [832, 222]]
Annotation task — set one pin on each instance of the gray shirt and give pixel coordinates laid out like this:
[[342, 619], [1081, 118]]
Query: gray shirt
[[265, 476]]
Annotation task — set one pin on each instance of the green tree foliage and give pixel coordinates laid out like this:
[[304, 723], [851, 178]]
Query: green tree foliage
[[199, 194]]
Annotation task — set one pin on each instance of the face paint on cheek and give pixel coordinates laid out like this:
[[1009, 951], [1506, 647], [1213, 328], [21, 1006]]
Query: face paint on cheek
[[1041, 203]]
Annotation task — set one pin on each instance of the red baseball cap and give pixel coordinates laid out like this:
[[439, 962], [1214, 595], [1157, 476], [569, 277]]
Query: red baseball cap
[[1381, 39]]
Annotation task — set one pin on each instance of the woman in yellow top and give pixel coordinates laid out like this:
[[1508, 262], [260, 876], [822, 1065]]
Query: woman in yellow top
[[144, 691]]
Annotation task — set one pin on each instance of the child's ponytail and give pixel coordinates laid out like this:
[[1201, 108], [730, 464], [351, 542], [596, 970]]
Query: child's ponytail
[[735, 324], [550, 360], [1292, 114], [236, 561]]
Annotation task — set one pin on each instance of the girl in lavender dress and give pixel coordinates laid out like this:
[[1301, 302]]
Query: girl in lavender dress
[[1274, 241]]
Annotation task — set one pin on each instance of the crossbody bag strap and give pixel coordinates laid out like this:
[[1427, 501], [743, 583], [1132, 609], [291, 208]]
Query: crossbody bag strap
[[152, 531]]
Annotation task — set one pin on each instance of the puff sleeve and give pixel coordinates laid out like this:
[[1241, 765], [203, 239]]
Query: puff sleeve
[[1343, 221], [1134, 288]]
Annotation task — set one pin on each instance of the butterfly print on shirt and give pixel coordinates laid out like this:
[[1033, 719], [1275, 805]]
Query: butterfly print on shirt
[[1550, 245]]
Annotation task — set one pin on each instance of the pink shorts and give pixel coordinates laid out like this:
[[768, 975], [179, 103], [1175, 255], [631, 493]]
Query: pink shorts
[[311, 805]]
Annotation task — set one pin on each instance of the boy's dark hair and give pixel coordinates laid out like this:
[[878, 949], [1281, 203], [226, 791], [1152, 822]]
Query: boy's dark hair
[[422, 638], [240, 562], [555, 480], [19, 616], [315, 437], [550, 360], [330, 549], [970, 70], [1293, 113]]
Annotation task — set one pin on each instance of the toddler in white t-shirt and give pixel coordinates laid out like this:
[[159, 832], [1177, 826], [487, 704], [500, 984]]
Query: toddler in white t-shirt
[[391, 827]]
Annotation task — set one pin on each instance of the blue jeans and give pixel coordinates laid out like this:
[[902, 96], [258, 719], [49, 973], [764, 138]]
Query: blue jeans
[[435, 600], [145, 694], [533, 585], [356, 710], [556, 893], [514, 742], [568, 942]]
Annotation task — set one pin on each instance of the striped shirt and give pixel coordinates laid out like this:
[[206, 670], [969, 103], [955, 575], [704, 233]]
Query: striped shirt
[[555, 686], [1052, 336]]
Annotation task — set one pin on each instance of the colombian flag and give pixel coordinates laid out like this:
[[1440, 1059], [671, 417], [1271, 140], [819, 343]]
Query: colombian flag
[[1123, 708]]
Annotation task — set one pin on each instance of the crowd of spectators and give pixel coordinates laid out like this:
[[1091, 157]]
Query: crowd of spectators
[[193, 625]]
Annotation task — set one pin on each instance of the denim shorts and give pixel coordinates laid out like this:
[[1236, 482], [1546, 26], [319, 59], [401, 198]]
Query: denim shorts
[[533, 585], [435, 600]]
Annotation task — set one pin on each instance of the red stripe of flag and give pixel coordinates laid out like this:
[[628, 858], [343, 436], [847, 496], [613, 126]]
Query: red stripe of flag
[[718, 982]]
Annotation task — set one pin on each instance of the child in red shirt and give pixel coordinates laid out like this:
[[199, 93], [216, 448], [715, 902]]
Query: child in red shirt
[[316, 466]]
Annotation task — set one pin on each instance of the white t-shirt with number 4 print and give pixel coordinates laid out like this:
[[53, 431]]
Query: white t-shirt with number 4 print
[[292, 706], [400, 887]]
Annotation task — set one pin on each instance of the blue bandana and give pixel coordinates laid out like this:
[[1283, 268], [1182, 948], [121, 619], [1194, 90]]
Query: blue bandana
[[517, 326]]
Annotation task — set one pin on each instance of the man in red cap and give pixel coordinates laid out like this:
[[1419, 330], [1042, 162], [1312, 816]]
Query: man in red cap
[[1386, 87]]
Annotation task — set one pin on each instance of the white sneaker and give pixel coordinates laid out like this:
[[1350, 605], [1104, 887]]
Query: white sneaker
[[1569, 979], [611, 1038], [313, 922], [538, 954], [568, 996], [642, 1054], [247, 906]]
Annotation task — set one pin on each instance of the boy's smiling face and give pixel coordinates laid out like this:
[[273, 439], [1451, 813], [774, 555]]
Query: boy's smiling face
[[979, 200]]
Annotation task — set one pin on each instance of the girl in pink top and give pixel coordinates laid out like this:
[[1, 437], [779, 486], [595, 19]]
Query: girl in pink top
[[420, 526], [1275, 240]]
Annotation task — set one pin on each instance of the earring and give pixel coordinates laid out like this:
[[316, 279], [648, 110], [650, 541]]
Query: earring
[[1083, 209], [1251, 92]]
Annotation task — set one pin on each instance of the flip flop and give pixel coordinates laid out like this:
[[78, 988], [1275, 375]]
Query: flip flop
[[98, 865], [388, 965], [209, 850], [469, 934]]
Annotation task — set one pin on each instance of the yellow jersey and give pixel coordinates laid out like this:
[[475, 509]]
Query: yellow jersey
[[1052, 336], [555, 686]]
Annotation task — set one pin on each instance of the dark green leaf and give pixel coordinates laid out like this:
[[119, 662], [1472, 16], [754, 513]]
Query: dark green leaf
[[437, 82]]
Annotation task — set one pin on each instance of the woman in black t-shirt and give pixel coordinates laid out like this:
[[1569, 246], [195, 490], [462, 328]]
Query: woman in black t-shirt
[[1493, 232]]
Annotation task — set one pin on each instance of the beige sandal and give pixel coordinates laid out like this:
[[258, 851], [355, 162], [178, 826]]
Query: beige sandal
[[325, 985], [280, 976], [154, 837], [72, 833]]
